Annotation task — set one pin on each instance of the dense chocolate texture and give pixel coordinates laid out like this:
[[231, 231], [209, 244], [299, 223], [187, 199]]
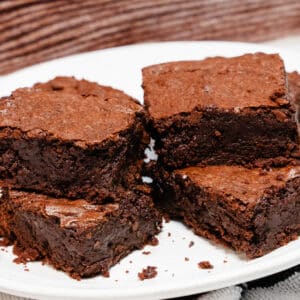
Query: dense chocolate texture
[[220, 110], [78, 237], [251, 210], [71, 138], [294, 85]]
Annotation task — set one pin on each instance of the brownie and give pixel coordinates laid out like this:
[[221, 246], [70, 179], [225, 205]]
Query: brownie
[[78, 237], [71, 138], [220, 110], [253, 211], [294, 85]]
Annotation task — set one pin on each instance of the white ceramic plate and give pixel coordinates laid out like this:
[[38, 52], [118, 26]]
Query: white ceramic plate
[[121, 68]]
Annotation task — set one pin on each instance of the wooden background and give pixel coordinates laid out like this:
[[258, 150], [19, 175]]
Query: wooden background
[[32, 31]]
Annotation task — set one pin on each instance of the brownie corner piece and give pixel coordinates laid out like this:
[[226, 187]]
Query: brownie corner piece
[[70, 138], [253, 211], [77, 237], [220, 110]]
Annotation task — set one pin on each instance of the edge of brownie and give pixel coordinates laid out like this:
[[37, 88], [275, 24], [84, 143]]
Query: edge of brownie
[[77, 237], [208, 134], [254, 228], [213, 136], [38, 160]]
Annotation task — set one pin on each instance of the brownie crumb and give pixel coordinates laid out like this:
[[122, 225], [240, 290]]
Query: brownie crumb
[[169, 234], [26, 268], [126, 271], [191, 244], [146, 252], [24, 256], [148, 273], [225, 261], [205, 265], [186, 259], [154, 241], [130, 261]]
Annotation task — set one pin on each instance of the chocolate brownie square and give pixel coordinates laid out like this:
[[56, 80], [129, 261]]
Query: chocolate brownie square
[[220, 110], [71, 138], [76, 236], [251, 210]]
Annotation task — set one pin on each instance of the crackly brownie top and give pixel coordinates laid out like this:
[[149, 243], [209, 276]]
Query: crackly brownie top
[[69, 109], [294, 85], [248, 185], [69, 213], [251, 80]]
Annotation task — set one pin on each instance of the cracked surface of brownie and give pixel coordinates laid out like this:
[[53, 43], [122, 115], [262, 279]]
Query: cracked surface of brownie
[[71, 138]]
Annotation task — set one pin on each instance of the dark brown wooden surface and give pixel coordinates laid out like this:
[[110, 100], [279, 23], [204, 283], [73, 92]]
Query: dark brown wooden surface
[[32, 31]]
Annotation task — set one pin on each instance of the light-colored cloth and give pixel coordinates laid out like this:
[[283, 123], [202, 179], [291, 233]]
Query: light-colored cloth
[[8, 297], [288, 289]]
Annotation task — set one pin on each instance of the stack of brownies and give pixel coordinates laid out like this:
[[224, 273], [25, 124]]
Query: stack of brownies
[[227, 146], [71, 154], [71, 158]]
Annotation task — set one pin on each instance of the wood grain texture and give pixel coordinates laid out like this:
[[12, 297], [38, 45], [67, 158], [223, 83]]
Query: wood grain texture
[[32, 31]]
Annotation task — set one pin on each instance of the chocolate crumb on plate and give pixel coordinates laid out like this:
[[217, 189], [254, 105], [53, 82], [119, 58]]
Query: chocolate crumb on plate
[[191, 244], [146, 252], [205, 265], [148, 273]]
